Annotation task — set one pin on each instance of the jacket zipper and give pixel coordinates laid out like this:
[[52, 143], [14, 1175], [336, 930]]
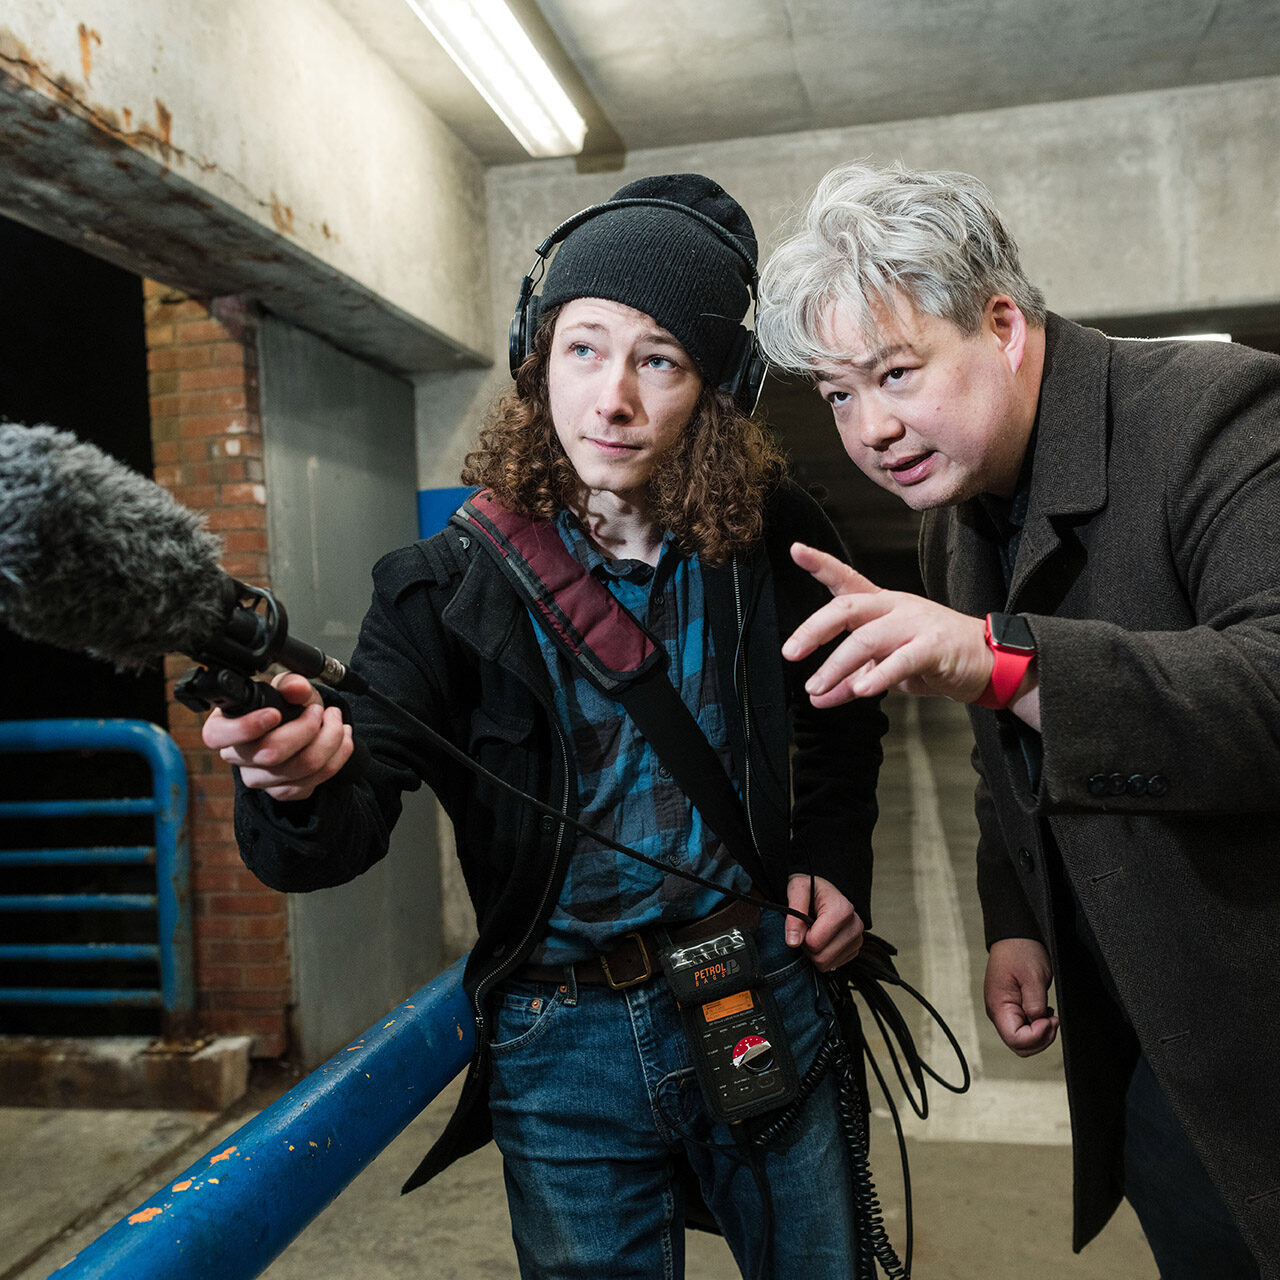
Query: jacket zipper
[[740, 665], [495, 975]]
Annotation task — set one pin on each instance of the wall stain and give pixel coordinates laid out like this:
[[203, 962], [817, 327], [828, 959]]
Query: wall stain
[[19, 63], [88, 38], [164, 123], [281, 215]]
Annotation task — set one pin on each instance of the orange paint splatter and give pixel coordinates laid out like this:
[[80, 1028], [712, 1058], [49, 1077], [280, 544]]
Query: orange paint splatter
[[144, 1215], [182, 1186], [223, 1155]]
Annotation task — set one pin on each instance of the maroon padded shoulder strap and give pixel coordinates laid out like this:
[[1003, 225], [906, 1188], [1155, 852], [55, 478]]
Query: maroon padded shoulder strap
[[579, 612], [614, 651]]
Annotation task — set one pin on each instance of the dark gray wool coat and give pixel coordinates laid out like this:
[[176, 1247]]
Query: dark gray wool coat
[[1149, 571]]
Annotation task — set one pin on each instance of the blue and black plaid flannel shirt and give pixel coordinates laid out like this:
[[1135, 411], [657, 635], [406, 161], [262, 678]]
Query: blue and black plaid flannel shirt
[[624, 791]]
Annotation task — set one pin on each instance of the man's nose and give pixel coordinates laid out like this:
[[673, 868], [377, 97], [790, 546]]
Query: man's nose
[[616, 392], [878, 425]]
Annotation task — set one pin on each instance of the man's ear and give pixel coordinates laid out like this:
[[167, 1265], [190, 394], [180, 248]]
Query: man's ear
[[1004, 320]]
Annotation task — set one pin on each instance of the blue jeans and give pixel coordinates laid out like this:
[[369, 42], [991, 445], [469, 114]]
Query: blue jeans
[[594, 1096], [1183, 1217]]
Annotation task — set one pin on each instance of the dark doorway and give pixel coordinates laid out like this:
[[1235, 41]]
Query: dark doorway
[[72, 354]]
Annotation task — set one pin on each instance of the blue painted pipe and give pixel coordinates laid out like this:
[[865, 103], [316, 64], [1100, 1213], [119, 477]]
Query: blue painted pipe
[[131, 854], [79, 952], [78, 902], [118, 997], [140, 805], [167, 805], [238, 1207]]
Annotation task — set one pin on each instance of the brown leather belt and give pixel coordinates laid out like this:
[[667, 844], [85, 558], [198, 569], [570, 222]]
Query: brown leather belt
[[634, 960]]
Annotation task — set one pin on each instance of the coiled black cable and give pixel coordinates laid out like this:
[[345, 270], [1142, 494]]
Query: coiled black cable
[[866, 976], [873, 1241]]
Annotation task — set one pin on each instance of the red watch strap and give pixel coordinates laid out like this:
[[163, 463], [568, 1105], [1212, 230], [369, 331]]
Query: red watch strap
[[1006, 674]]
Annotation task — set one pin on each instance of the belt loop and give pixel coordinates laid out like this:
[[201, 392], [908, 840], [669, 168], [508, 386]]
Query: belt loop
[[569, 985]]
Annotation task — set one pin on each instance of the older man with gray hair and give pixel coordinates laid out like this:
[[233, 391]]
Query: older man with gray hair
[[1101, 551]]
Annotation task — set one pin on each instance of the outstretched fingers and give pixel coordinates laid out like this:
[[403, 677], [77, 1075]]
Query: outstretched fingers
[[838, 577]]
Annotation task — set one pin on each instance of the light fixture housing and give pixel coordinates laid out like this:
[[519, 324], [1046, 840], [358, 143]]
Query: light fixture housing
[[492, 50]]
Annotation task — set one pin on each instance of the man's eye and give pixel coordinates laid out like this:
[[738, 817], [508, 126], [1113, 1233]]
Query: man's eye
[[894, 375], [580, 349], [837, 397], [660, 362]]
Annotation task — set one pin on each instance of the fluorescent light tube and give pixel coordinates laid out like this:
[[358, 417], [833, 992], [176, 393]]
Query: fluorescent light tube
[[483, 38]]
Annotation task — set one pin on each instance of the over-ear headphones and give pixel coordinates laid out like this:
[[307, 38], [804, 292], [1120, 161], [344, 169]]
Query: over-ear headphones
[[745, 368]]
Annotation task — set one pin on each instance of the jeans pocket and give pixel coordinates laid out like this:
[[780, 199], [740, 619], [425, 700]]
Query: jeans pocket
[[805, 1005], [523, 1013], [787, 973]]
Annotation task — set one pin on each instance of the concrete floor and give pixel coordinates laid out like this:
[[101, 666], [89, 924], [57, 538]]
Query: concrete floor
[[990, 1170]]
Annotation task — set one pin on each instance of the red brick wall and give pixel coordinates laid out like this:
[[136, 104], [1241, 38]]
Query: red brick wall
[[206, 431]]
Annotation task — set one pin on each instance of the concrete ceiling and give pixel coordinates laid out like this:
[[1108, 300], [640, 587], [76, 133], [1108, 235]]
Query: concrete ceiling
[[670, 72], [656, 73]]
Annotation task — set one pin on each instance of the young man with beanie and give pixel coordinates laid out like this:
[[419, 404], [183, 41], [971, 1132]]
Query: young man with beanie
[[623, 457], [1101, 548]]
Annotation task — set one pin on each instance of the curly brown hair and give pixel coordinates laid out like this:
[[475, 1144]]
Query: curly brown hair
[[708, 489]]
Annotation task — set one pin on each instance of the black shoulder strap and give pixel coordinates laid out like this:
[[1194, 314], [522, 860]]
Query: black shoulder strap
[[610, 647]]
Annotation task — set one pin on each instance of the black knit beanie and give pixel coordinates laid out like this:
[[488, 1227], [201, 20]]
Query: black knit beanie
[[665, 263]]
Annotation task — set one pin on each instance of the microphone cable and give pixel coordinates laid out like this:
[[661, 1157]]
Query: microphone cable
[[456, 754]]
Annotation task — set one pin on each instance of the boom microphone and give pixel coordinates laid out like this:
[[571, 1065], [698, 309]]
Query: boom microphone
[[98, 559]]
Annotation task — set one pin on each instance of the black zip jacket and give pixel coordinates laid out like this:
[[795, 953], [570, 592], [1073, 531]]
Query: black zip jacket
[[448, 639]]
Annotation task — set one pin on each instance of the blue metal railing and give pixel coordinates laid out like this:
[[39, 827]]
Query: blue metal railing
[[237, 1208], [167, 806]]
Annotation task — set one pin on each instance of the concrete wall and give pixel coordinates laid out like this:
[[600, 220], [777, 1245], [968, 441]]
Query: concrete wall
[[339, 486], [1145, 203], [248, 148], [1154, 203]]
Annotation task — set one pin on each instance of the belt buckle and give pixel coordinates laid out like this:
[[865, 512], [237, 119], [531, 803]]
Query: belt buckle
[[625, 983]]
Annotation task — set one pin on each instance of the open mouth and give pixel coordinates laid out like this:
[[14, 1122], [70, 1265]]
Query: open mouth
[[910, 470]]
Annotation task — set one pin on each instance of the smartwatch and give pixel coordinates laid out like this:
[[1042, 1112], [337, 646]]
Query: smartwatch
[[1013, 649]]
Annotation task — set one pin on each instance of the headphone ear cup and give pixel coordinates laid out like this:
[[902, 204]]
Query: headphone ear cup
[[533, 318], [747, 371], [524, 326]]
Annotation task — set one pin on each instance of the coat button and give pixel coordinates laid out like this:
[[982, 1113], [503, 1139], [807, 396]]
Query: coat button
[[1117, 784], [1157, 785], [1097, 784], [1137, 785], [1026, 861], [548, 822]]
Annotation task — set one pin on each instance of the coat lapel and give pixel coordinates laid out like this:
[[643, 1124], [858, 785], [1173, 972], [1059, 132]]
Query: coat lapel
[[1069, 469]]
